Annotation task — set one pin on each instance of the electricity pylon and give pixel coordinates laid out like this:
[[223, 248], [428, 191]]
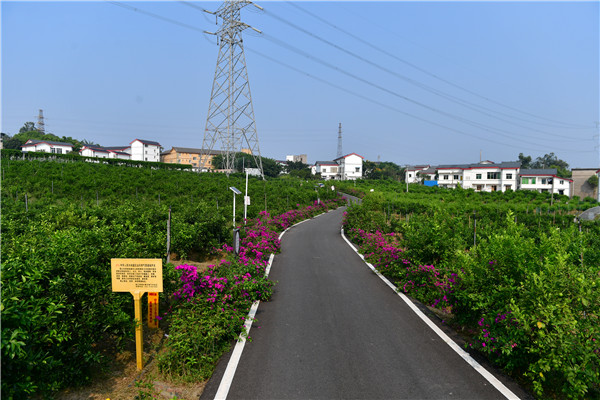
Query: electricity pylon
[[230, 119]]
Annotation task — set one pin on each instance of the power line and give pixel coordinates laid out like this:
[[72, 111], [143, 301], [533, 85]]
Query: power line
[[387, 106], [565, 124], [393, 93], [294, 49], [464, 103]]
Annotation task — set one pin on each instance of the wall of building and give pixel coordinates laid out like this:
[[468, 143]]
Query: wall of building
[[581, 187]]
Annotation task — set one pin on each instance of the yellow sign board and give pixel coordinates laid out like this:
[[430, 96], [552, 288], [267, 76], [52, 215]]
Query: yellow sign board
[[136, 275]]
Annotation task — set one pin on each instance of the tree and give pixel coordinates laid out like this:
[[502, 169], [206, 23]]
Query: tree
[[296, 166], [593, 181], [271, 167], [27, 127], [546, 162], [382, 170], [525, 161]]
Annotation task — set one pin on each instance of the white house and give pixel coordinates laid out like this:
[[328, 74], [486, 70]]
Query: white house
[[104, 152], [350, 166], [544, 181], [145, 150], [450, 176], [327, 169], [490, 177], [411, 173], [47, 146]]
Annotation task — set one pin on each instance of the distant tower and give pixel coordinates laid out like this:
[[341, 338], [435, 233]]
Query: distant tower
[[40, 124], [230, 119], [340, 153]]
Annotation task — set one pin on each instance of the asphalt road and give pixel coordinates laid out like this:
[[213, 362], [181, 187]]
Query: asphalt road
[[334, 330]]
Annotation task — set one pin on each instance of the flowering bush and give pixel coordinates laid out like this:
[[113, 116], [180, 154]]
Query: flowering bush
[[423, 282]]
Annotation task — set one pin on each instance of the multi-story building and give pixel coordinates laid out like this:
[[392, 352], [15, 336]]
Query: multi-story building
[[295, 158], [47, 146], [191, 156], [145, 150], [581, 186], [350, 167], [487, 176], [544, 181]]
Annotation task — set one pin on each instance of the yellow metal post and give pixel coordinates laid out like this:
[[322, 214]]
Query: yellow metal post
[[139, 333]]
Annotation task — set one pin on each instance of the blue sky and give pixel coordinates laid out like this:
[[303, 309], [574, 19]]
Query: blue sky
[[109, 74]]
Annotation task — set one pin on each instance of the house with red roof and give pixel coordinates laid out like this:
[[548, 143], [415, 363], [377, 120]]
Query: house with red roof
[[47, 146]]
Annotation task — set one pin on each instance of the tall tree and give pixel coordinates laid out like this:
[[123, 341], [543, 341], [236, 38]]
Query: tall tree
[[525, 161], [27, 127]]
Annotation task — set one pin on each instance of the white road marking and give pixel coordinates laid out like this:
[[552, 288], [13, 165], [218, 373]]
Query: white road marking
[[461, 352]]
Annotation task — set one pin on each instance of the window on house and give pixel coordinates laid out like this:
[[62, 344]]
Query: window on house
[[59, 151], [53, 150], [357, 169], [410, 175], [508, 176], [324, 169], [544, 181], [533, 181], [477, 176], [493, 175], [455, 177], [562, 183], [445, 177], [524, 181]]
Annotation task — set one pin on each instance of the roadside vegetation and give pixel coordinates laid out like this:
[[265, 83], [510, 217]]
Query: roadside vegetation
[[515, 272], [62, 222]]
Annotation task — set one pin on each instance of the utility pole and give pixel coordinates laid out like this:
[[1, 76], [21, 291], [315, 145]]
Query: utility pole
[[230, 119]]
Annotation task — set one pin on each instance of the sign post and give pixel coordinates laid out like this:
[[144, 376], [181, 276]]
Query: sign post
[[137, 276]]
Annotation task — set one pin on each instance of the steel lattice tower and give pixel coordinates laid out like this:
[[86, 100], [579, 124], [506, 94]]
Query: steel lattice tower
[[41, 127], [339, 150], [230, 119]]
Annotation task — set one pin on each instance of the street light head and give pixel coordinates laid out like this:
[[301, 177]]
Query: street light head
[[234, 190]]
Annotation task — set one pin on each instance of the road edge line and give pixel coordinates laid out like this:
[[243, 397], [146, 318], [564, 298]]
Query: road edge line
[[460, 351], [236, 355]]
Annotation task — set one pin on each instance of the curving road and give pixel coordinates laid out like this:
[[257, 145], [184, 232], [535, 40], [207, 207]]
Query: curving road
[[334, 330]]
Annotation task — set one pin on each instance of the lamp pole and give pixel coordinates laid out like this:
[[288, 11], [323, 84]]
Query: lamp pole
[[235, 192], [246, 199]]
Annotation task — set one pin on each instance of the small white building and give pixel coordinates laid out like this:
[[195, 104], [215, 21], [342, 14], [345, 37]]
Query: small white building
[[327, 169], [450, 176], [104, 152], [411, 173], [47, 146], [145, 150], [544, 181], [350, 166]]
